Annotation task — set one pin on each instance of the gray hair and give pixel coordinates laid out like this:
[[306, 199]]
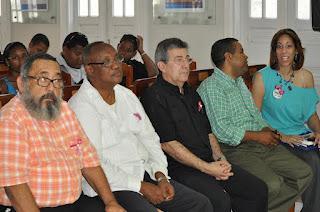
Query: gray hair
[[164, 46], [26, 67]]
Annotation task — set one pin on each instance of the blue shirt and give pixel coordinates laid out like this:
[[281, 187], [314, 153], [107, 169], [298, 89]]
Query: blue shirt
[[288, 112], [10, 88]]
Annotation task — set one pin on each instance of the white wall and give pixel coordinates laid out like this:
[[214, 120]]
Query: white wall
[[199, 37], [24, 33]]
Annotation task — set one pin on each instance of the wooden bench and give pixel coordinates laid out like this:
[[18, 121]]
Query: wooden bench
[[140, 85], [5, 98], [69, 91], [197, 76], [128, 75], [247, 77]]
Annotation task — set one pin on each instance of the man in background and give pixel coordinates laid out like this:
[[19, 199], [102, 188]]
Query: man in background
[[70, 59]]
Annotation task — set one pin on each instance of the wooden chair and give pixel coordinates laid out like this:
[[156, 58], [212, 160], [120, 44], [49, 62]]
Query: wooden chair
[[128, 75], [5, 98], [247, 77], [3, 69], [197, 76], [193, 66], [66, 78], [69, 91], [141, 84]]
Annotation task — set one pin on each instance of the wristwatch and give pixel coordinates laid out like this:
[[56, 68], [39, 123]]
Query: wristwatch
[[162, 178]]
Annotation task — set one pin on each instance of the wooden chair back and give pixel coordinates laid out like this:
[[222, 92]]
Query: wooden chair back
[[69, 91], [66, 78], [3, 69], [247, 77], [193, 66], [5, 98], [128, 75], [140, 85], [197, 76]]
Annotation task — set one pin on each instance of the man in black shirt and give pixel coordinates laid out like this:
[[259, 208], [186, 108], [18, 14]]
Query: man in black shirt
[[195, 159]]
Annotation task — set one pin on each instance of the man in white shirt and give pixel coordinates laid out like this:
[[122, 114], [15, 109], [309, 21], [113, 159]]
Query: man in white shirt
[[128, 147], [70, 59]]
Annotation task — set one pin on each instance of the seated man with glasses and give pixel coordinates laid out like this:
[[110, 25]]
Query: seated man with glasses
[[43, 150], [195, 159], [14, 55], [70, 59], [127, 144]]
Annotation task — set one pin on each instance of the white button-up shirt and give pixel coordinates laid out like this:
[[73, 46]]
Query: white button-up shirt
[[124, 137], [76, 74]]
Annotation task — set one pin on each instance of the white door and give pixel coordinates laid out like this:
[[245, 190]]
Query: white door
[[112, 19], [5, 24]]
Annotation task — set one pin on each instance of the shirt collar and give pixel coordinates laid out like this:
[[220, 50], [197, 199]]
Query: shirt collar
[[228, 81], [171, 87]]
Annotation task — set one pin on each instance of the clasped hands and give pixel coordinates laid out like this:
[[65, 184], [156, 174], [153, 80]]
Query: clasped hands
[[159, 193]]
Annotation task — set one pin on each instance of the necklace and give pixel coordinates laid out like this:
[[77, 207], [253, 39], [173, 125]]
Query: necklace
[[278, 91]]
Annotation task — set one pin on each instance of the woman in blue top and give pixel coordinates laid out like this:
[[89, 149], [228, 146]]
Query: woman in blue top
[[285, 94], [14, 55]]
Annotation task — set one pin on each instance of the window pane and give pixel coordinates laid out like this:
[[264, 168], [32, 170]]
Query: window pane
[[256, 8], [83, 7], [271, 8], [94, 7], [304, 9], [129, 10], [117, 8]]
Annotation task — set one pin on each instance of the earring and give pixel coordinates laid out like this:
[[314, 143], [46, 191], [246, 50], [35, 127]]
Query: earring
[[296, 57]]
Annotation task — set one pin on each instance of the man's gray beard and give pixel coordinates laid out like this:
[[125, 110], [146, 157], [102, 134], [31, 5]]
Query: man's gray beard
[[48, 112]]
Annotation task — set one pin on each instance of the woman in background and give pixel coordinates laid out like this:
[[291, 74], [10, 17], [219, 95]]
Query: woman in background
[[14, 55]]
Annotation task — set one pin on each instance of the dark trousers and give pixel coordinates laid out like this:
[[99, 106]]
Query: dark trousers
[[81, 205], [242, 192], [74, 207], [185, 200]]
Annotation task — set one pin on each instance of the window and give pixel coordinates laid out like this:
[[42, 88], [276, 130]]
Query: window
[[123, 8], [263, 9], [88, 8], [16, 11], [303, 9]]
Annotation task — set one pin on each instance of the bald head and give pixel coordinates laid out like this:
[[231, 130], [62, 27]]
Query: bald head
[[102, 65], [94, 49]]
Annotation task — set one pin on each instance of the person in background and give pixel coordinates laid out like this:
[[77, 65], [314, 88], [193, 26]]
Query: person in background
[[284, 93], [39, 43], [127, 48], [70, 59], [195, 159], [43, 150], [245, 138], [127, 144], [14, 55]]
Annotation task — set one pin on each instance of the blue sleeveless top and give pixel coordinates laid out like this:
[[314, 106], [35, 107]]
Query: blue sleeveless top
[[10, 88], [287, 110]]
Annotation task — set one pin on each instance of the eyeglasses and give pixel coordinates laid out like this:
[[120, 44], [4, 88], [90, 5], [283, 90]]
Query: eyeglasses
[[108, 63], [181, 61], [45, 82]]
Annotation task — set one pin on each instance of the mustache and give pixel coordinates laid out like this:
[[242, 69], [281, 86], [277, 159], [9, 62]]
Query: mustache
[[50, 96]]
